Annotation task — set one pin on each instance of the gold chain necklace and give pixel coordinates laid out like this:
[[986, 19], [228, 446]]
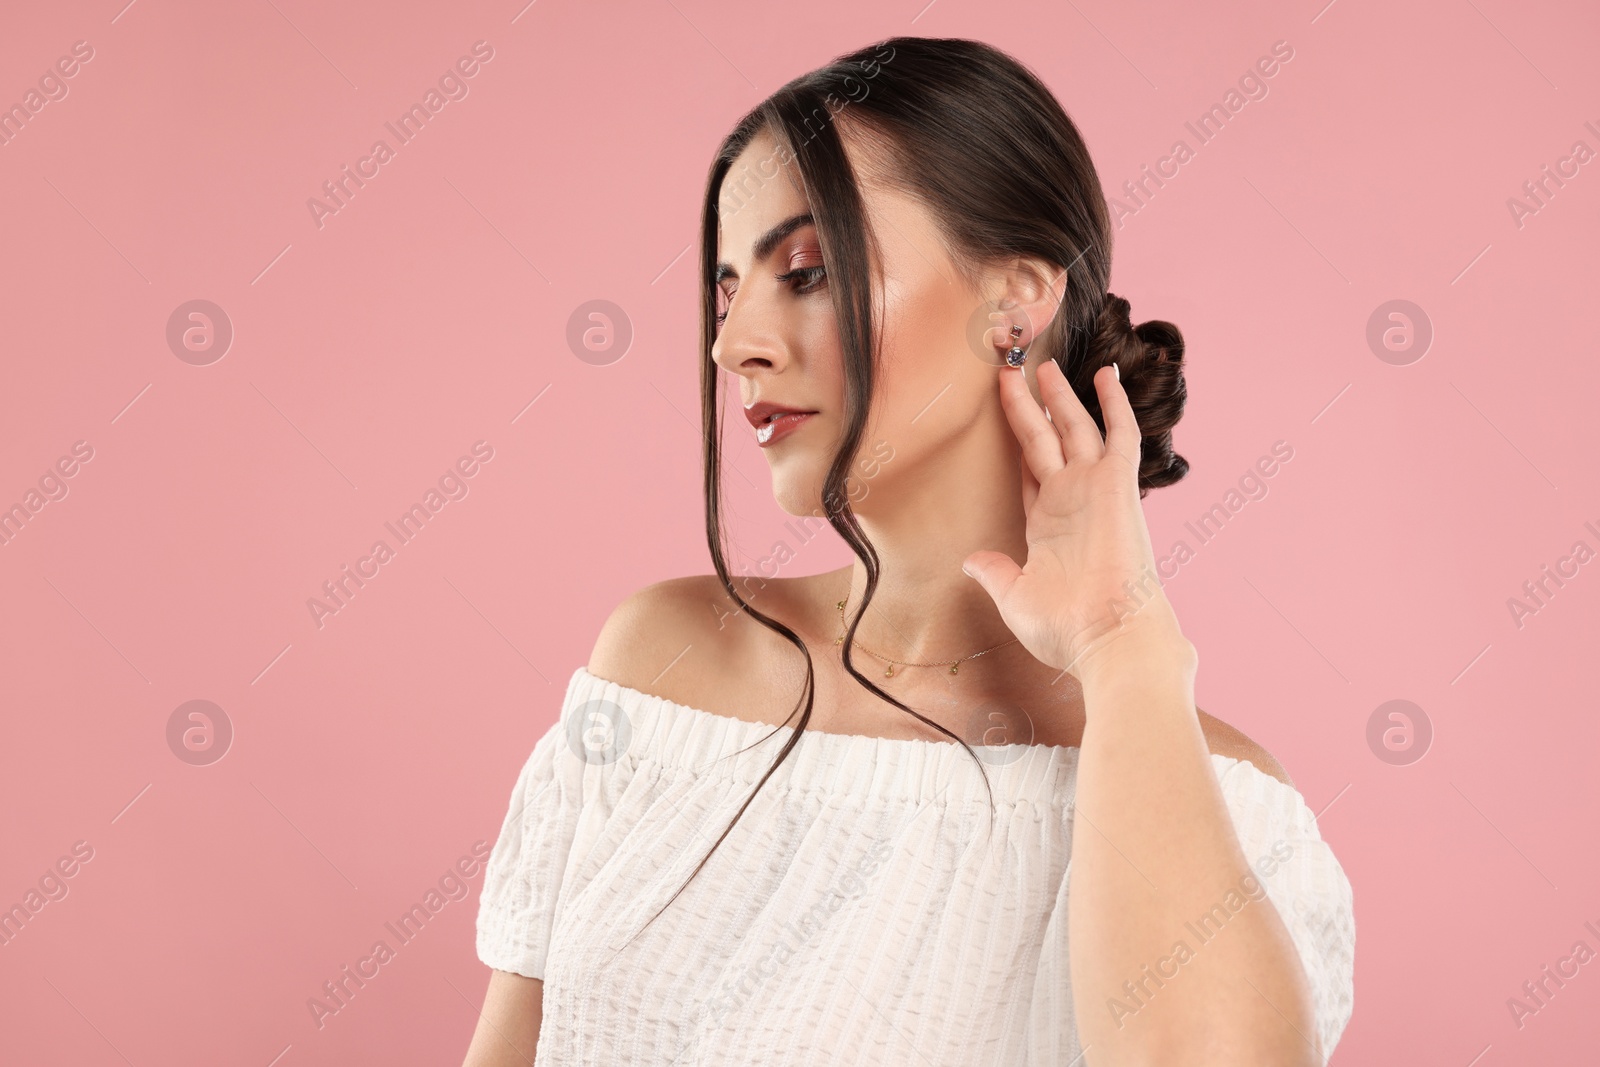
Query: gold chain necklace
[[894, 662]]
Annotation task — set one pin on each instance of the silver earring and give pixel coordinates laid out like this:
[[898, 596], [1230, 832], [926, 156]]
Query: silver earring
[[1016, 357]]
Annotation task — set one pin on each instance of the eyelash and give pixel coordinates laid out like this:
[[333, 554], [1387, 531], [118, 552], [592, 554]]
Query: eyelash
[[810, 276]]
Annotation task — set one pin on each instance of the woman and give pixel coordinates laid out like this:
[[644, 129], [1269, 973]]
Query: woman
[[832, 818]]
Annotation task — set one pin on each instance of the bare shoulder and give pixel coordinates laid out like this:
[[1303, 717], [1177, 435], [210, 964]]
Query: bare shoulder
[[1225, 740], [685, 639], [681, 639], [652, 628]]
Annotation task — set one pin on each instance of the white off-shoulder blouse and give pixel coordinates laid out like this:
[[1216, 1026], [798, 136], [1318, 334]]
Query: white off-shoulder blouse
[[864, 910]]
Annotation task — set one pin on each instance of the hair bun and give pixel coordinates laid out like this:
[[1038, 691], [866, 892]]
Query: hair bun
[[1149, 359], [1115, 313]]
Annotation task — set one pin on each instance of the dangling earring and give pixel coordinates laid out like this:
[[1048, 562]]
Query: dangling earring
[[1016, 357]]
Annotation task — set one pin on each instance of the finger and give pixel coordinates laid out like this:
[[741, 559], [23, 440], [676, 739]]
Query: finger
[[995, 571], [1030, 485], [1041, 445], [1122, 425], [1079, 435]]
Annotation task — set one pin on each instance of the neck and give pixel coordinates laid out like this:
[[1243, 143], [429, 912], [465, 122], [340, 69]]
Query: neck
[[925, 609]]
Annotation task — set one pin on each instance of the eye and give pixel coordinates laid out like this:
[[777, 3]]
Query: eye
[[804, 280], [810, 277]]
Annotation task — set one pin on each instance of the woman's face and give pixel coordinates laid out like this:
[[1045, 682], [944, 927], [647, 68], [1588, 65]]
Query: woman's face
[[780, 337]]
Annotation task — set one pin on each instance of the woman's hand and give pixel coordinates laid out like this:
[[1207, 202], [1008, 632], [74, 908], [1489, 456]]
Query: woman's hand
[[1089, 586]]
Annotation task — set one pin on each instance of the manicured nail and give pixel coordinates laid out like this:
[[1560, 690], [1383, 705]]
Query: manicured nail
[[1117, 371]]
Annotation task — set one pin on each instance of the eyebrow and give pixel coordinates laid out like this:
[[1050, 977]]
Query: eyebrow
[[769, 241]]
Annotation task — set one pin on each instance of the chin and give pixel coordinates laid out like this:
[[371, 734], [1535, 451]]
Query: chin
[[799, 500], [798, 478], [797, 487]]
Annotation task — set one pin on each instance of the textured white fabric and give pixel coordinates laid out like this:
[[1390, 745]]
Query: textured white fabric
[[864, 910]]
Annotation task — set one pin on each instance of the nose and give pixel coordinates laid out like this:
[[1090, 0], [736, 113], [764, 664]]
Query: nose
[[749, 340]]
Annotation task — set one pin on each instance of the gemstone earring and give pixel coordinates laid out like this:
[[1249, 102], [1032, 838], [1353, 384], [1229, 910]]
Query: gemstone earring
[[1016, 357]]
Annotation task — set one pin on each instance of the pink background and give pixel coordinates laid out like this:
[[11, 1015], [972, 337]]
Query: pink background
[[428, 314]]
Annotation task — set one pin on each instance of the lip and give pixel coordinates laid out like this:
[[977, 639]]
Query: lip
[[781, 426], [773, 422]]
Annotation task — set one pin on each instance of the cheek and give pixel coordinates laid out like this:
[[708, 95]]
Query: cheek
[[932, 384], [818, 339], [911, 370]]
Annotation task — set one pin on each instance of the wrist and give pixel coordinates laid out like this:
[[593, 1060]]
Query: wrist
[[1149, 650]]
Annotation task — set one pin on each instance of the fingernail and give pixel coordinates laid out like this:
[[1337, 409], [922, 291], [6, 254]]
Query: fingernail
[[1117, 371]]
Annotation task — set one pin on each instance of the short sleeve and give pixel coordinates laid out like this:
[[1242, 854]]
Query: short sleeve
[[1305, 883], [558, 808]]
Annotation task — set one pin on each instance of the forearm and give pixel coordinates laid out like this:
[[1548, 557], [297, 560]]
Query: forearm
[[507, 1034], [1153, 853]]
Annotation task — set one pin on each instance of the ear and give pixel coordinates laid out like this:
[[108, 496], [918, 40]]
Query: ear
[[1030, 291]]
